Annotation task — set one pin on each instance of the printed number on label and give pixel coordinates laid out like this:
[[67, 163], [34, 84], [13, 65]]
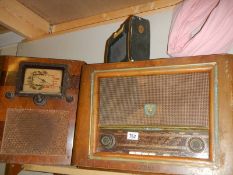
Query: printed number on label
[[132, 135]]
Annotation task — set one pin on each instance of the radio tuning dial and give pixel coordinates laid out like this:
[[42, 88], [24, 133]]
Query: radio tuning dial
[[108, 141], [196, 145]]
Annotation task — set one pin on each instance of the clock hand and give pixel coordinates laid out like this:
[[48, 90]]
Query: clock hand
[[43, 80]]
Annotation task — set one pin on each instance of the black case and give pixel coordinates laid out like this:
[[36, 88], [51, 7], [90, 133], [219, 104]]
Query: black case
[[131, 42]]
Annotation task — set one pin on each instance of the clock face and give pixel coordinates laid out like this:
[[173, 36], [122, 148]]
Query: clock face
[[39, 80]]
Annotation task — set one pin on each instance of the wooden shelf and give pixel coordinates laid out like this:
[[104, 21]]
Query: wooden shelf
[[40, 18], [68, 170], [3, 29]]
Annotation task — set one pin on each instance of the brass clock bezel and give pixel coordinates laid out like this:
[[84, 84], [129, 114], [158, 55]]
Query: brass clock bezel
[[35, 65]]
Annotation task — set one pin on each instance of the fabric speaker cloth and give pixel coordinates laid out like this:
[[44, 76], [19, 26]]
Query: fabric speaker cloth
[[201, 28]]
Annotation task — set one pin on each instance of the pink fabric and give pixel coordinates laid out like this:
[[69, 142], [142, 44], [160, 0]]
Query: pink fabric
[[201, 27]]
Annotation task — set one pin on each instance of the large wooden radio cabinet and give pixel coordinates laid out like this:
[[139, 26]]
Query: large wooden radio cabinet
[[38, 105], [171, 116]]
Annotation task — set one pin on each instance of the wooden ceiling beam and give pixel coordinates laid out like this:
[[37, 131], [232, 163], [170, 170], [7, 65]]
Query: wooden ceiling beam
[[111, 16], [21, 20], [3, 30]]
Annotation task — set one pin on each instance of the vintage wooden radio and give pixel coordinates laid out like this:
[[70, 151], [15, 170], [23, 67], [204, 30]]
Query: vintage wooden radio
[[171, 116], [38, 108]]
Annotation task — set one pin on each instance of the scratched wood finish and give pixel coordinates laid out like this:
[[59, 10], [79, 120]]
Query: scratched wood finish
[[224, 152], [9, 72]]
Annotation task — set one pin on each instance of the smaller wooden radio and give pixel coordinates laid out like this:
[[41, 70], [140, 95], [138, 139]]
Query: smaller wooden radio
[[169, 116], [38, 109]]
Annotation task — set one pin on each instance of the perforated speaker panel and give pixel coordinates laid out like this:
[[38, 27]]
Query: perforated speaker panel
[[177, 99], [35, 132]]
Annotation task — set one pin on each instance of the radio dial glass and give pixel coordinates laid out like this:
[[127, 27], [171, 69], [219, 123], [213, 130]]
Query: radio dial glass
[[46, 81]]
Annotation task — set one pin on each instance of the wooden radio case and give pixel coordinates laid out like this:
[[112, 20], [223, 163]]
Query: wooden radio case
[[171, 116], [38, 104]]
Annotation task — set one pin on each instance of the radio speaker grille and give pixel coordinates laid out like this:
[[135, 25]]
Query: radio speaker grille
[[177, 99], [35, 132]]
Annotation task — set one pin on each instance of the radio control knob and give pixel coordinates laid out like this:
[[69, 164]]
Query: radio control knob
[[39, 99], [9, 95], [196, 145], [108, 141], [69, 99]]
